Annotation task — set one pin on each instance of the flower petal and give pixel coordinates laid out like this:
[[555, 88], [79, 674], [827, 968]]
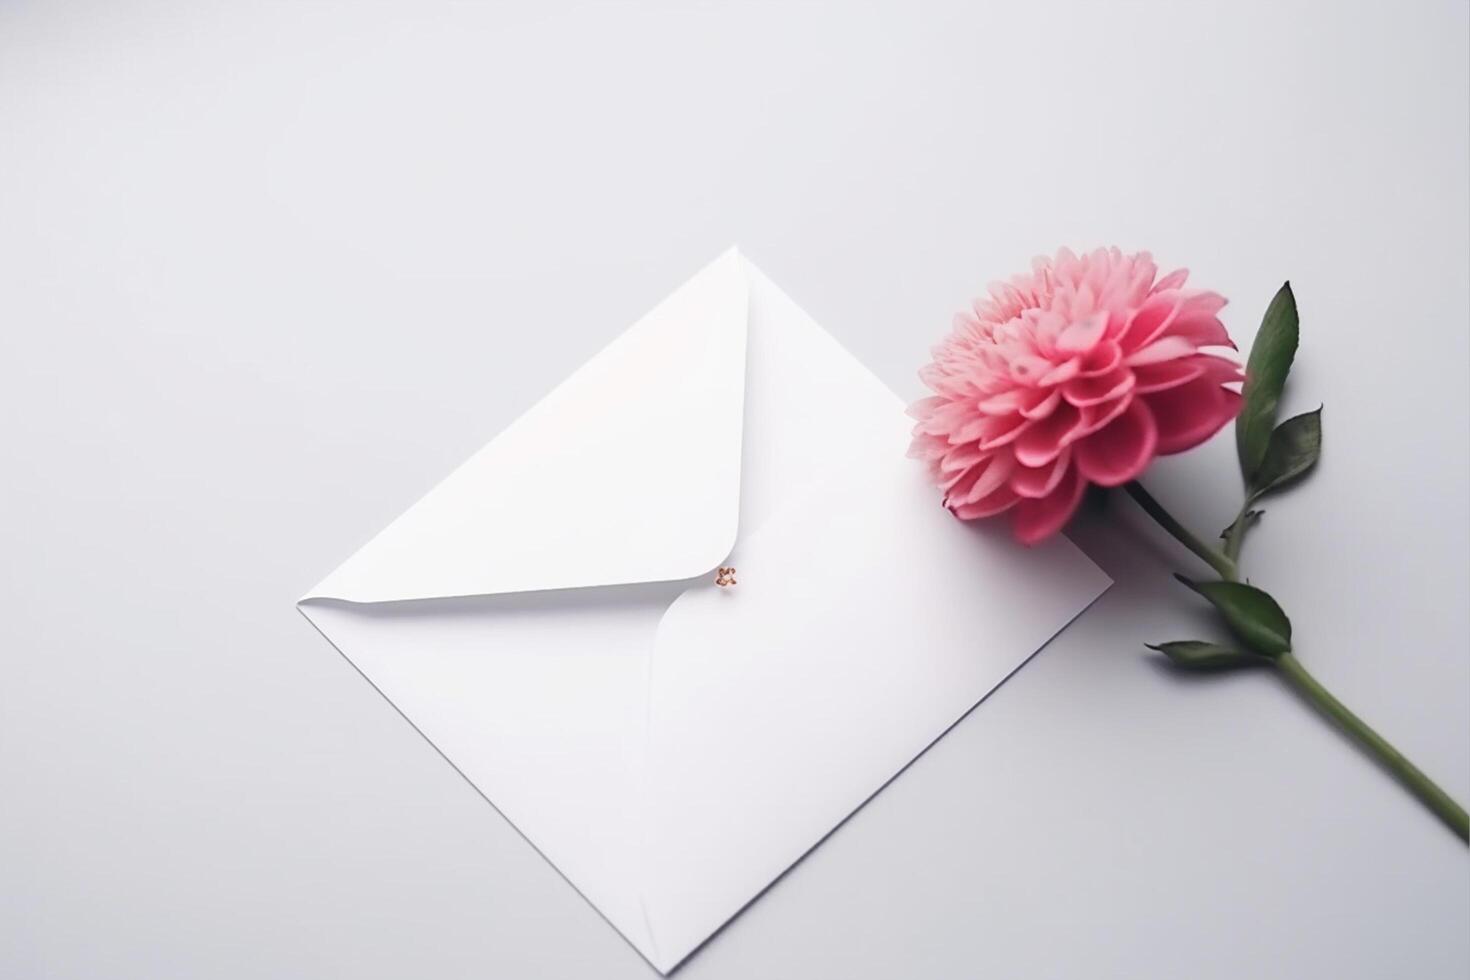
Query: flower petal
[[1002, 404], [1002, 499], [1094, 417], [1028, 368], [1188, 415], [925, 407], [945, 417], [1118, 452], [1036, 483], [1173, 280], [925, 446], [1201, 302], [982, 480], [1164, 349], [1101, 359], [1084, 334], [1042, 403], [1150, 320], [1094, 391], [974, 429], [1167, 374], [1002, 430], [1221, 370], [1194, 319], [1037, 520], [961, 458], [1046, 438], [1202, 331], [1065, 371]]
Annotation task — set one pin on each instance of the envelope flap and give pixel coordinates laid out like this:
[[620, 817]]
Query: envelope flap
[[629, 471]]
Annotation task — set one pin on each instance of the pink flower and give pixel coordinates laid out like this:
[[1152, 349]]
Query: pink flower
[[1081, 372]]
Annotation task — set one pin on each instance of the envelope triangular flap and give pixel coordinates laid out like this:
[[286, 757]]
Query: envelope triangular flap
[[629, 471]]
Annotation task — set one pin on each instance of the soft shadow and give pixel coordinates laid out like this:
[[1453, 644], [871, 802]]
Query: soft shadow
[[641, 595]]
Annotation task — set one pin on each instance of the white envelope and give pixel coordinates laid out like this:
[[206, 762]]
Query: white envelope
[[547, 616]]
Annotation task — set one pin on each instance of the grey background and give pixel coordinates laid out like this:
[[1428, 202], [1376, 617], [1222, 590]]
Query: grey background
[[268, 271]]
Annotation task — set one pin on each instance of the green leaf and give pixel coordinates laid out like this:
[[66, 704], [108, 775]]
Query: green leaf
[[1251, 518], [1199, 655], [1250, 612], [1265, 376], [1292, 451]]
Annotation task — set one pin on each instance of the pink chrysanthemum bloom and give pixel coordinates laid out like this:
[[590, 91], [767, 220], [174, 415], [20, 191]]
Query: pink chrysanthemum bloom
[[1081, 372]]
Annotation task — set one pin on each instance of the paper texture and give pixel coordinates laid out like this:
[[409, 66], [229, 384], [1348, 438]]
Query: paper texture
[[669, 746]]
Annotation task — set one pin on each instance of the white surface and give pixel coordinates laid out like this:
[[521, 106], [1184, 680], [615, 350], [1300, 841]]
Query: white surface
[[262, 265], [672, 758]]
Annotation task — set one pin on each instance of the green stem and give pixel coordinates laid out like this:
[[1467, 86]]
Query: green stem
[[1437, 800], [1236, 537], [1223, 565]]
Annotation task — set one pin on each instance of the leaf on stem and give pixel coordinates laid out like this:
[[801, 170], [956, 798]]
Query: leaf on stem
[[1250, 517], [1250, 612], [1293, 450], [1265, 375], [1200, 655]]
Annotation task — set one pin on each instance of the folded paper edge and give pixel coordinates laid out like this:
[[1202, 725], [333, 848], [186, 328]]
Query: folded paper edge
[[721, 489]]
